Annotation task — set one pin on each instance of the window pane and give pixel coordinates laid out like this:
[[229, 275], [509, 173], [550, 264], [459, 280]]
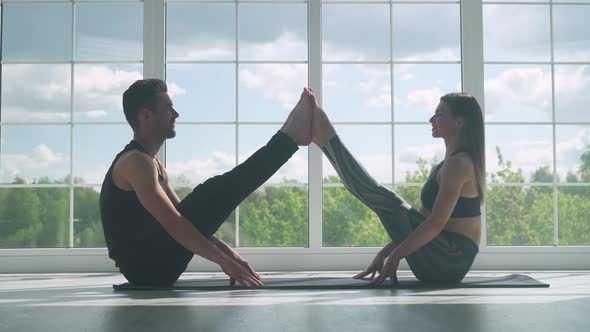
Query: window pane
[[252, 137], [95, 148], [516, 33], [426, 32], [98, 90], [518, 93], [35, 93], [347, 222], [268, 92], [274, 216], [574, 215], [517, 154], [109, 31], [35, 154], [203, 92], [573, 153], [273, 32], [418, 88], [371, 147], [41, 32], [572, 84], [416, 151], [34, 217], [355, 32], [189, 161], [357, 92], [200, 32], [519, 216], [88, 231], [570, 38]]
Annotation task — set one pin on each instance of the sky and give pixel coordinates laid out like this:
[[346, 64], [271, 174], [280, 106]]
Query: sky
[[266, 92]]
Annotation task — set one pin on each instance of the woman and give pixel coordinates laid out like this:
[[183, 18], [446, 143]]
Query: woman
[[440, 240]]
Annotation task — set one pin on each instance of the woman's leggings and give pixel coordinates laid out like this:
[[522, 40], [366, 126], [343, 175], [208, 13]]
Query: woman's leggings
[[163, 260], [447, 258]]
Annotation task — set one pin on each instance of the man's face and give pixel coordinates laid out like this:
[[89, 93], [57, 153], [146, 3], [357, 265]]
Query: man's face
[[165, 116]]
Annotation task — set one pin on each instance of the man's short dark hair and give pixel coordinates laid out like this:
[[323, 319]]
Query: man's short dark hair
[[141, 94]]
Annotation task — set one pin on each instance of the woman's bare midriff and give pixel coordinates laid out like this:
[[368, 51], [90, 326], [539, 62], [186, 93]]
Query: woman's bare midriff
[[470, 226]]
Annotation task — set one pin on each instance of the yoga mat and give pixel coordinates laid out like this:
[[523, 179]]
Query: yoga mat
[[318, 282]]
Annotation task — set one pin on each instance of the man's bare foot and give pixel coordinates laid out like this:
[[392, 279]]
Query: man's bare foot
[[298, 124], [322, 130]]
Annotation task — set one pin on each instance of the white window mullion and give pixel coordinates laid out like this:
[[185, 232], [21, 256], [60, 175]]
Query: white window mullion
[[154, 46], [314, 21], [472, 71], [71, 182]]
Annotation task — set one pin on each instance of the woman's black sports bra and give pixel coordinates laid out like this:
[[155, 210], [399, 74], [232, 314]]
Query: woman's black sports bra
[[465, 207]]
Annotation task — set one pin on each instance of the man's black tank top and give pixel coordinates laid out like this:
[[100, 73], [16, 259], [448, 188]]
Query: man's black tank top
[[130, 230]]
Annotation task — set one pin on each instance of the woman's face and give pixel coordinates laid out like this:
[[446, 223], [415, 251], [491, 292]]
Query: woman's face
[[444, 123]]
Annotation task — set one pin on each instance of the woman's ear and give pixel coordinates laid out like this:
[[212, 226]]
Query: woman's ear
[[460, 121]]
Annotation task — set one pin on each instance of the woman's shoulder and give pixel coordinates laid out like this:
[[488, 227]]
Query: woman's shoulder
[[459, 163]]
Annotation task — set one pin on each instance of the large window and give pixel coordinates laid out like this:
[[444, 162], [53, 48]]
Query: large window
[[235, 69], [537, 75], [64, 67]]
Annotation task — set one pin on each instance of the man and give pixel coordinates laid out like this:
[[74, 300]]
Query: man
[[150, 233]]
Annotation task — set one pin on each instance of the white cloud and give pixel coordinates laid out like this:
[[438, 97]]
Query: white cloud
[[277, 82], [519, 87], [287, 45], [41, 160], [423, 100]]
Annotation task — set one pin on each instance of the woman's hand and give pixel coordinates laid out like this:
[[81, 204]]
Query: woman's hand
[[374, 267], [389, 271]]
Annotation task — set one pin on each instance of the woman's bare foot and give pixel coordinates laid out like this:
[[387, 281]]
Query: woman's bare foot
[[299, 122], [322, 129]]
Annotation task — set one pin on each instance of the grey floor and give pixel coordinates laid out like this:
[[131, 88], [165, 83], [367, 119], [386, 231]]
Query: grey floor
[[87, 302]]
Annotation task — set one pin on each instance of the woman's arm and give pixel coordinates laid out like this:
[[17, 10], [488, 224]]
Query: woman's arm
[[454, 174]]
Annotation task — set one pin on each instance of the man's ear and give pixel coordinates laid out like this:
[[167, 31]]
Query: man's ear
[[144, 114]]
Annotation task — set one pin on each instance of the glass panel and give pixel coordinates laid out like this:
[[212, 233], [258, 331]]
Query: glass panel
[[518, 93], [519, 216], [37, 32], [516, 33], [95, 148], [252, 137], [570, 1], [418, 88], [574, 215], [519, 154], [88, 231], [275, 217], [356, 32], [570, 38], [200, 32], [347, 222], [98, 90], [411, 194], [35, 154], [357, 92], [572, 84], [371, 147], [36, 93], [34, 217], [273, 32], [110, 31], [416, 152], [190, 162], [268, 92], [203, 92], [573, 153], [426, 32]]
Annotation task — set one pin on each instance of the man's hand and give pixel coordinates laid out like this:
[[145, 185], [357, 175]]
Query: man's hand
[[242, 275], [231, 253]]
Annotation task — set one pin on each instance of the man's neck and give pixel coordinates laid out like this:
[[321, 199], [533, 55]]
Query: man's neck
[[151, 146]]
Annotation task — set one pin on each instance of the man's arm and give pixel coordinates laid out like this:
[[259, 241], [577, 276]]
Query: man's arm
[[141, 173]]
